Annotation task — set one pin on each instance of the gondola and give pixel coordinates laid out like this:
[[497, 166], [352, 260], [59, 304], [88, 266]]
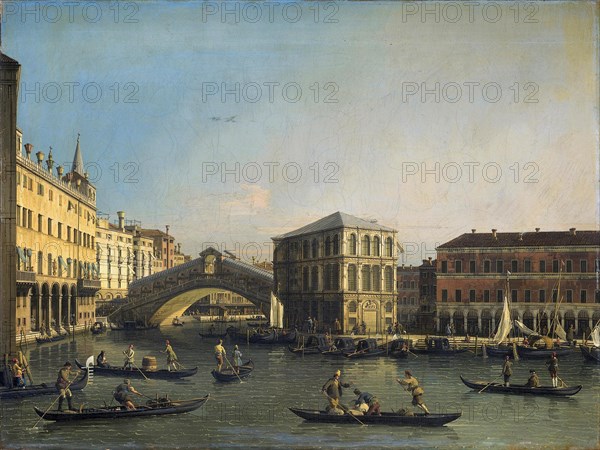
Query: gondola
[[264, 338], [227, 375], [590, 353], [521, 389], [213, 335], [41, 389], [526, 352], [386, 418], [288, 337], [98, 328], [161, 374], [439, 346], [152, 408], [398, 348], [366, 348], [313, 345], [340, 346], [46, 339], [499, 351]]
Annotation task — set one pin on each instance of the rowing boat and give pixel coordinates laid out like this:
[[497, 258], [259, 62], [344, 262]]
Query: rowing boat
[[521, 388], [366, 348], [530, 352], [153, 408], [41, 389], [228, 374], [386, 418], [590, 353], [161, 374]]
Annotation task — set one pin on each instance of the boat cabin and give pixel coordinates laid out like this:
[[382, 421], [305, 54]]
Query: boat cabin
[[398, 344], [366, 345], [438, 343], [316, 340], [344, 343]]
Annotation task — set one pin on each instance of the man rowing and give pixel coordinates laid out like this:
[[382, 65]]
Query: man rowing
[[333, 389], [220, 354], [128, 362], [62, 386], [370, 401], [123, 394], [534, 380], [412, 385]]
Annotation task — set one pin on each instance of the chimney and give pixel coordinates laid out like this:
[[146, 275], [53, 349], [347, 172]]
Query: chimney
[[121, 215], [572, 231], [494, 233], [473, 230], [40, 157], [28, 150], [59, 171], [520, 236], [537, 230], [430, 263]]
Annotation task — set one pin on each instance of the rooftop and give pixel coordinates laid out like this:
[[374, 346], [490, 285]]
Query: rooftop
[[527, 239]]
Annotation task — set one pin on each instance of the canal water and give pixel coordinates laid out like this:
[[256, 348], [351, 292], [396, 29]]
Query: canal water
[[254, 413]]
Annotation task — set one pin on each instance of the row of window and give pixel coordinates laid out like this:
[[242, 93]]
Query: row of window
[[370, 278], [528, 296], [516, 266], [59, 267], [352, 307], [25, 220], [369, 247], [406, 301]]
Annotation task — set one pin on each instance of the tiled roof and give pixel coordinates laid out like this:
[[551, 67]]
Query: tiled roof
[[5, 59], [334, 221], [529, 239]]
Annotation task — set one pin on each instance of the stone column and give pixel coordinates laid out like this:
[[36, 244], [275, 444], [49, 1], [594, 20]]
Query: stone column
[[465, 322], [479, 312]]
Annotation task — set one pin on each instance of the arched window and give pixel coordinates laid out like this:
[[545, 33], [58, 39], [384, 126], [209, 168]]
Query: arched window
[[335, 277], [305, 278], [305, 248], [314, 278], [366, 246], [352, 244], [336, 245], [315, 248], [327, 246], [389, 247], [351, 277], [388, 307], [366, 278], [389, 279], [376, 246], [376, 278], [352, 307]]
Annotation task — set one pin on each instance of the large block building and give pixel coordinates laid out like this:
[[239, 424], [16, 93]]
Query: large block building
[[340, 267], [472, 272]]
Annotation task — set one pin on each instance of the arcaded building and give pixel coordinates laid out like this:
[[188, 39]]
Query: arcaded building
[[340, 267], [473, 270]]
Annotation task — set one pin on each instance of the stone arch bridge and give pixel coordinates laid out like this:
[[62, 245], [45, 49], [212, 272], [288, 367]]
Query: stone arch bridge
[[158, 298]]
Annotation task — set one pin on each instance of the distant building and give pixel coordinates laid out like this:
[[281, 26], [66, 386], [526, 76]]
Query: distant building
[[408, 295], [164, 248], [341, 267], [472, 272], [179, 258], [428, 293]]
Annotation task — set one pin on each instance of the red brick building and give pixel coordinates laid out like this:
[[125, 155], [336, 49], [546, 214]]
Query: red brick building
[[408, 295], [472, 274]]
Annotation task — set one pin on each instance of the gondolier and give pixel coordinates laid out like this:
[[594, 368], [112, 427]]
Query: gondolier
[[171, 356], [412, 385], [220, 354], [123, 394], [333, 389], [62, 386], [507, 370], [129, 357], [552, 364]]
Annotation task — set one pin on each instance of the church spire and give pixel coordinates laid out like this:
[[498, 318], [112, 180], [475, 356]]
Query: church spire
[[77, 160]]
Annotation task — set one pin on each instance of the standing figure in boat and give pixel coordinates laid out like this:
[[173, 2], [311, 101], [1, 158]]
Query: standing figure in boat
[[62, 386], [237, 358], [411, 384], [333, 389], [507, 370], [171, 356], [552, 364], [17, 373], [534, 380], [128, 362], [220, 354]]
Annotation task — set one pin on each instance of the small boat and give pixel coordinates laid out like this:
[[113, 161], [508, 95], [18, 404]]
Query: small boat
[[438, 346], [386, 418], [366, 348], [499, 351], [398, 348], [314, 344], [130, 326], [264, 338], [590, 353], [55, 338], [41, 389], [213, 335], [531, 352], [521, 389], [340, 346], [98, 328], [152, 408], [228, 374], [161, 374], [287, 337], [177, 323]]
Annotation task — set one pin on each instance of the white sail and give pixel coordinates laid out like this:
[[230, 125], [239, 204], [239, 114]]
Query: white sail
[[505, 324], [596, 336], [276, 318], [560, 331], [524, 328]]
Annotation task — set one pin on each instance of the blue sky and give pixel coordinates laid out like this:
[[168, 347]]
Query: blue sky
[[430, 124]]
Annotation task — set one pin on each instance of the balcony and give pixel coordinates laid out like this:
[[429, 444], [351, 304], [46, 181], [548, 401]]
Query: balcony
[[25, 277]]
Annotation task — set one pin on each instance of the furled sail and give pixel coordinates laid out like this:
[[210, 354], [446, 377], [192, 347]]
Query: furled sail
[[524, 328], [560, 331], [505, 324], [276, 312], [596, 336]]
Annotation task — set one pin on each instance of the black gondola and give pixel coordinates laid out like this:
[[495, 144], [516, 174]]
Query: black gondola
[[161, 374], [314, 344], [521, 389], [98, 328], [590, 353], [213, 335], [386, 418], [366, 348], [153, 408], [227, 375], [439, 346], [527, 352], [287, 337], [499, 351], [269, 337], [398, 348], [55, 338], [41, 389], [340, 346]]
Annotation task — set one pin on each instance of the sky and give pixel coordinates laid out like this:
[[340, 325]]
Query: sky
[[236, 122]]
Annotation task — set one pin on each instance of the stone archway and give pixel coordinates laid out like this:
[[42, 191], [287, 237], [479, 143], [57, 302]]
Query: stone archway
[[369, 316]]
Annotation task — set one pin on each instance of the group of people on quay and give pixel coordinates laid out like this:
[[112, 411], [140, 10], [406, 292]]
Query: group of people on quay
[[365, 402], [534, 380]]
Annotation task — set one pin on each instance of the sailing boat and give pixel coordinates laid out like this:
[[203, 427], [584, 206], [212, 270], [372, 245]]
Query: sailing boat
[[504, 327], [593, 353], [556, 331]]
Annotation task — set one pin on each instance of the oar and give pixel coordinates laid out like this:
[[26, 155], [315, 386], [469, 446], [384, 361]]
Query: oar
[[561, 380], [416, 356], [52, 404], [346, 411], [136, 367], [489, 384], [232, 369]]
